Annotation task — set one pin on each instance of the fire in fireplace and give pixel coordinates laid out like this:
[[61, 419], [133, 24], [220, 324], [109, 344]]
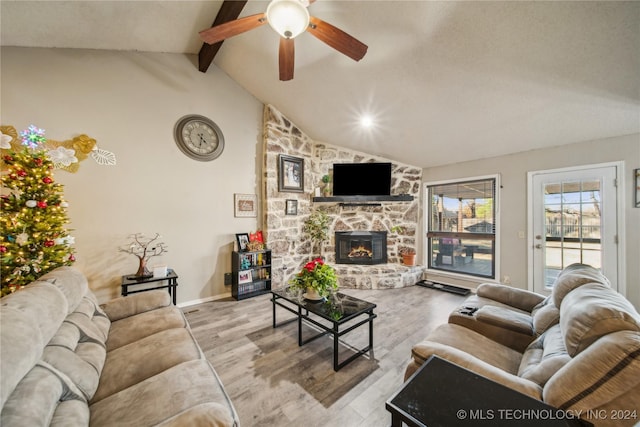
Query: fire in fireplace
[[361, 247]]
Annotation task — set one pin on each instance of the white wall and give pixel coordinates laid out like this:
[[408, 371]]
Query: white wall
[[513, 197], [129, 102]]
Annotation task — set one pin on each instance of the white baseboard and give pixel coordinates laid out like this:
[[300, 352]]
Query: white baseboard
[[203, 300]]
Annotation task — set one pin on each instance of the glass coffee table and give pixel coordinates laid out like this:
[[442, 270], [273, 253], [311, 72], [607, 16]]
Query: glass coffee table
[[337, 315]]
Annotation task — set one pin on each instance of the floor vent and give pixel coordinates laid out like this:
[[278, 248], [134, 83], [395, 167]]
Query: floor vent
[[442, 287]]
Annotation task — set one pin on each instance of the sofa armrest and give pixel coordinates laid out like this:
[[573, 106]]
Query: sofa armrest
[[506, 319], [122, 307], [464, 359], [518, 298]]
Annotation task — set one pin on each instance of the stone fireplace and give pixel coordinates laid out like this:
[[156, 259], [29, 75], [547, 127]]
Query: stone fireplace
[[361, 247], [291, 246]]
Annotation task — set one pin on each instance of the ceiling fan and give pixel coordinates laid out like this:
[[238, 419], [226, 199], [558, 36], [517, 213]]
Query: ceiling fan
[[289, 18]]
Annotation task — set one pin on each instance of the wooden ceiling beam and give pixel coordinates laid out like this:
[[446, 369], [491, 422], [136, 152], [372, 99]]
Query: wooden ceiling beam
[[229, 11]]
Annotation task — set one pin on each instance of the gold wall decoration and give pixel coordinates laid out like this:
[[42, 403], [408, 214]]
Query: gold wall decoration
[[82, 146]]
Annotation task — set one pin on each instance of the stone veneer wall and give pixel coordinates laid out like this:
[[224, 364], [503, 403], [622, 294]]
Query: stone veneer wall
[[290, 247]]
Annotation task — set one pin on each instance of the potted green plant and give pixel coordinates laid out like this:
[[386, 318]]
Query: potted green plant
[[317, 228], [408, 256], [398, 229], [316, 279], [326, 188]]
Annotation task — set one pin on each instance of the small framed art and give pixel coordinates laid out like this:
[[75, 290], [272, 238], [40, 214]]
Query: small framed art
[[290, 174], [243, 241], [245, 205], [244, 276], [291, 207]]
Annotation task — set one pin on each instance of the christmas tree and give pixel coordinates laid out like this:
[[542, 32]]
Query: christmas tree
[[33, 238]]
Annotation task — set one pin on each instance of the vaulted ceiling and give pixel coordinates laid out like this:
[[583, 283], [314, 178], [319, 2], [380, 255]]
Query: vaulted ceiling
[[444, 82]]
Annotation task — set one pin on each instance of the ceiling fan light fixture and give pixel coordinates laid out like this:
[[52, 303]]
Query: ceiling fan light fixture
[[289, 18]]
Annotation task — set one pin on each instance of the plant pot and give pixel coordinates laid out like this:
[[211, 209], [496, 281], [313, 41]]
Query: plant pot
[[409, 259], [313, 295]]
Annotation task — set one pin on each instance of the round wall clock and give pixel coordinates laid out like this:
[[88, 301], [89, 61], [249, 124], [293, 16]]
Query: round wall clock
[[199, 137]]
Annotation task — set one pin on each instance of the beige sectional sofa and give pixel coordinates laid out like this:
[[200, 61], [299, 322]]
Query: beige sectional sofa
[[66, 361], [577, 350]]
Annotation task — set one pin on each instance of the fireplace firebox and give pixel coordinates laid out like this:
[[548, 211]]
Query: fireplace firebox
[[361, 247]]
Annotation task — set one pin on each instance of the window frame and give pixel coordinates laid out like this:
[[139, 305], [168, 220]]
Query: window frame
[[428, 235]]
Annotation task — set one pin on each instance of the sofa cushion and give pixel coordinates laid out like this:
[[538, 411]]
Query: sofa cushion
[[71, 282], [574, 276], [594, 310], [512, 297], [471, 342], [133, 328], [29, 318], [505, 318], [45, 397], [545, 316], [160, 397], [475, 352], [142, 359], [544, 357], [78, 348], [137, 303]]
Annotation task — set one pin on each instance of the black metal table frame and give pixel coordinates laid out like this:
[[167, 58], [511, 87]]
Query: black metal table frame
[[303, 314], [171, 286]]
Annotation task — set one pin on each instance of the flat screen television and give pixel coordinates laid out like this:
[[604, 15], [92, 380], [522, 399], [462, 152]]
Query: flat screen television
[[362, 179]]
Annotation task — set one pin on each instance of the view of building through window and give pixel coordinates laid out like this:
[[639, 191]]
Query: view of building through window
[[461, 228]]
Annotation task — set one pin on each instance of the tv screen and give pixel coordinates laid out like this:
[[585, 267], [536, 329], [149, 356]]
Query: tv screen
[[361, 179]]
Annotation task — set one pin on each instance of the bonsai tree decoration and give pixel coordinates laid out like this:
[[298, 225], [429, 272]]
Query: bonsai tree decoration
[[316, 278], [144, 248]]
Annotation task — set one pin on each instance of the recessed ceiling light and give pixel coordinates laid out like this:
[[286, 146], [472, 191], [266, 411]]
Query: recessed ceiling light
[[366, 121]]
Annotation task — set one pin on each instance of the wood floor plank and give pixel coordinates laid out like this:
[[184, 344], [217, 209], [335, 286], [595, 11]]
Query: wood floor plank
[[274, 382]]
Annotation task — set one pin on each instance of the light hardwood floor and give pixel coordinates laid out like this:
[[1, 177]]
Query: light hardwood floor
[[273, 382]]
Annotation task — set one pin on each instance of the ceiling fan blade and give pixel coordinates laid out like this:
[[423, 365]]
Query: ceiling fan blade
[[286, 58], [232, 28], [337, 39]]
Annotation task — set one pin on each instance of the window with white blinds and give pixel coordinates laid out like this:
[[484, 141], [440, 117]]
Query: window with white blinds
[[462, 227]]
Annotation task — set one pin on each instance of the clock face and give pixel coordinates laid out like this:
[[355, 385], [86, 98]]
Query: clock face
[[199, 138]]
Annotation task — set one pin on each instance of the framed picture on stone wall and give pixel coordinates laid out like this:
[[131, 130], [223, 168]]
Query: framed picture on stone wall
[[291, 207], [290, 174]]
